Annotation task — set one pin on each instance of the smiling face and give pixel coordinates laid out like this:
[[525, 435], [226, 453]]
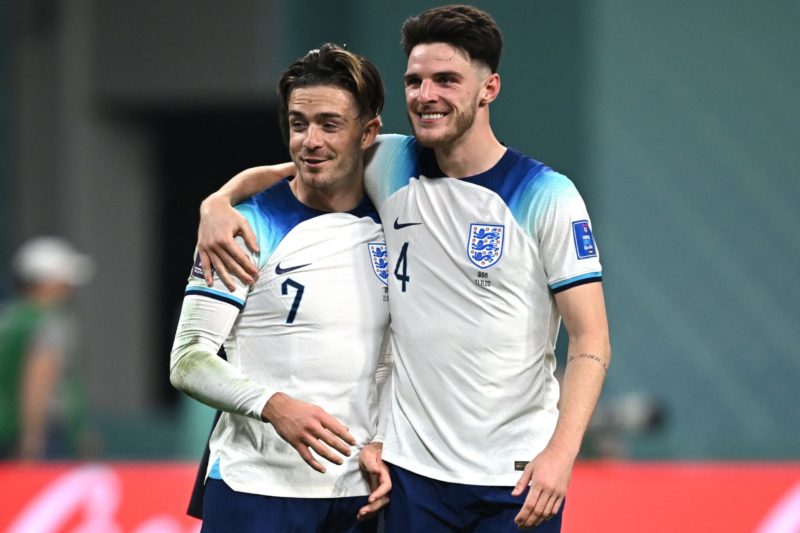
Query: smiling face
[[327, 138], [444, 92]]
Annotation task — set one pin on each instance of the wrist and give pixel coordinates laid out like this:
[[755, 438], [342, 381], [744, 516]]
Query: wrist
[[216, 199], [566, 450], [274, 406]]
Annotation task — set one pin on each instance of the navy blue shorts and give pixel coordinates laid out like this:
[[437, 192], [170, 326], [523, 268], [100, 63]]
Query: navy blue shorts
[[225, 510], [422, 504]]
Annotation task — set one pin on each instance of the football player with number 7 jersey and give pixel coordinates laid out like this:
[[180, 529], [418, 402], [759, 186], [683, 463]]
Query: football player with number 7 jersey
[[303, 343]]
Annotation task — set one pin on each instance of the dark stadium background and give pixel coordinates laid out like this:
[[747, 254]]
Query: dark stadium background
[[678, 121]]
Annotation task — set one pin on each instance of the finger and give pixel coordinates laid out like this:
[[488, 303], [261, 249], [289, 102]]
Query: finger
[[249, 238], [309, 459], [550, 508], [234, 263], [338, 429], [383, 488], [332, 441], [205, 264], [369, 510], [231, 246], [557, 506], [525, 516], [324, 452], [222, 263], [540, 511], [218, 267]]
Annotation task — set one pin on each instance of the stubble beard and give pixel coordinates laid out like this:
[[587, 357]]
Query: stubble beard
[[461, 125]]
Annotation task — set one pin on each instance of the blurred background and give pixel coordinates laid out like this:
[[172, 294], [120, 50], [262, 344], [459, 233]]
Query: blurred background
[[679, 122]]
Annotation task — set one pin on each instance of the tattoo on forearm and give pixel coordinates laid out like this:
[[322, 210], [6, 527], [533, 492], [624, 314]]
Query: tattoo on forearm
[[590, 356]]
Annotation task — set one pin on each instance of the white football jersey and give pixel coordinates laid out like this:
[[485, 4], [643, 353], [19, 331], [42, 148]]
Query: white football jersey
[[473, 267], [310, 327]]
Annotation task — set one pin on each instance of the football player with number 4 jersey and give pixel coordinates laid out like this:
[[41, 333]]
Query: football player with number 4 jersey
[[489, 250]]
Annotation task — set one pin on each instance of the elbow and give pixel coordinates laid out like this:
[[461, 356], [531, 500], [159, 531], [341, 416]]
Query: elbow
[[187, 367], [179, 371], [177, 378]]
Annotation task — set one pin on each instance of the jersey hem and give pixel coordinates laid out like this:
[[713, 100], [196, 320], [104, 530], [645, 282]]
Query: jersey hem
[[505, 480], [296, 491]]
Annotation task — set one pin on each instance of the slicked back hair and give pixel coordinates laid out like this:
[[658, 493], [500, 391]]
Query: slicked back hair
[[333, 65], [465, 27]]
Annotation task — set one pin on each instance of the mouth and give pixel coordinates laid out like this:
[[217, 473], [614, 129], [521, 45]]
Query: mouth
[[431, 117], [313, 162]]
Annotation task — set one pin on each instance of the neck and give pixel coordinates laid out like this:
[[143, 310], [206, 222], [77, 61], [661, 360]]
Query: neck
[[336, 199], [476, 151]]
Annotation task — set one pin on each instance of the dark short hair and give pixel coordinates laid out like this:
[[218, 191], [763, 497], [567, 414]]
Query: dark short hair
[[333, 65], [465, 27]]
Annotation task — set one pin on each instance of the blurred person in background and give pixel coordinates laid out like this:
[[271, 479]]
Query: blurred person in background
[[42, 405]]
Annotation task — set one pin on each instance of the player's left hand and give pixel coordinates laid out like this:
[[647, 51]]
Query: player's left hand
[[380, 482], [548, 476]]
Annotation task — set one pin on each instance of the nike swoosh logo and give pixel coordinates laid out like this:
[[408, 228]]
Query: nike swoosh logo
[[279, 270], [398, 225]]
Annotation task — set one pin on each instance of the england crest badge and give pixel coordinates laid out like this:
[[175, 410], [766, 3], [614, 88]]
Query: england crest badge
[[485, 244], [380, 260]]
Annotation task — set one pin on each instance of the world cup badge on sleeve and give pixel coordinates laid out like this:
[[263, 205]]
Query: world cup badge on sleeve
[[380, 260], [485, 245], [584, 242]]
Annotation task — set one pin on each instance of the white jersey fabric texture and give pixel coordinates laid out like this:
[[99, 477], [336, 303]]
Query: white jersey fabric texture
[[473, 267], [310, 327]]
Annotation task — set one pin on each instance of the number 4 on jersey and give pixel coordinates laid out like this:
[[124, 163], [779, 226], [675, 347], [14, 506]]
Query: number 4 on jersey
[[401, 268]]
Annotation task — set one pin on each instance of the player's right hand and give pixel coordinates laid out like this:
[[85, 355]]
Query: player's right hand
[[307, 427], [220, 223], [380, 481]]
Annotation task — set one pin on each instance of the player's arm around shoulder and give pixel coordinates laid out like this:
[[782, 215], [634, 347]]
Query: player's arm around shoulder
[[583, 311], [220, 224]]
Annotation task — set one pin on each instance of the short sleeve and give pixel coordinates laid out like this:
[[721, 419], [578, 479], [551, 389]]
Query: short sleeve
[[561, 225]]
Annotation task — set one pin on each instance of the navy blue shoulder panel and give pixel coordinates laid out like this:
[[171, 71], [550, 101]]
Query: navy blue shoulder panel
[[513, 171]]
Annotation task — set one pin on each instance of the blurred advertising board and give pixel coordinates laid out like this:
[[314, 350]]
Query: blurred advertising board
[[96, 498], [616, 497]]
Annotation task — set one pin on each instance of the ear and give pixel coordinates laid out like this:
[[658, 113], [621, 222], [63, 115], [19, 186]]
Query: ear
[[371, 130], [490, 89]]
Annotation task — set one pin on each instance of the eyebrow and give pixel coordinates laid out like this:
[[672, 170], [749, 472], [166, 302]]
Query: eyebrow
[[323, 116], [439, 73]]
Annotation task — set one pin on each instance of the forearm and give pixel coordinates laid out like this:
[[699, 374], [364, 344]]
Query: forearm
[[212, 381], [383, 381], [196, 369], [587, 363], [252, 181]]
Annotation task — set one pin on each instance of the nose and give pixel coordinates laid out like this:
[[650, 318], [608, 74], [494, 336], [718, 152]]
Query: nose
[[427, 92], [313, 138]]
